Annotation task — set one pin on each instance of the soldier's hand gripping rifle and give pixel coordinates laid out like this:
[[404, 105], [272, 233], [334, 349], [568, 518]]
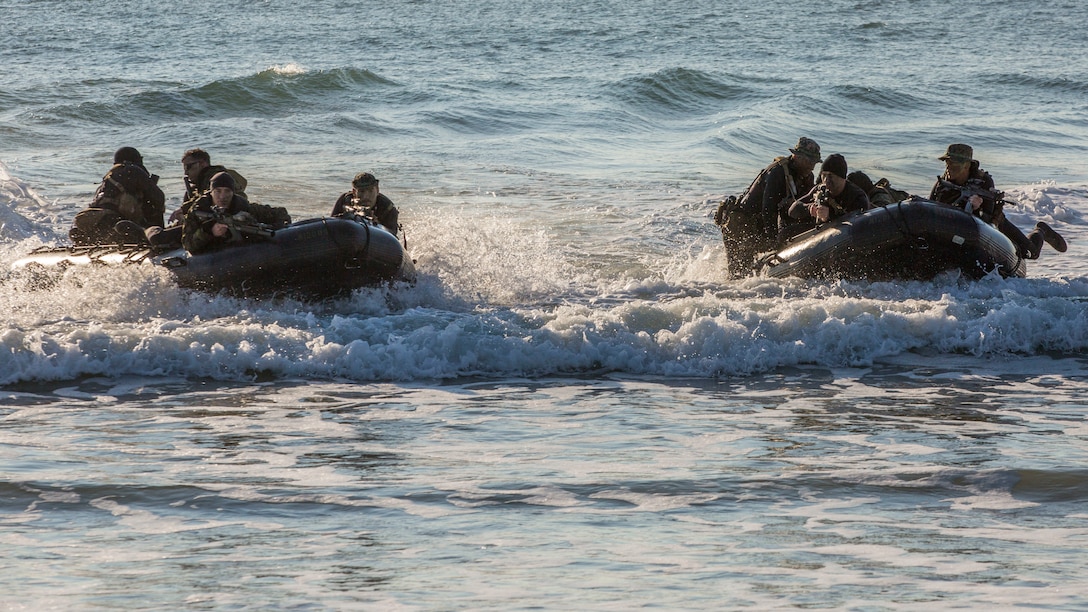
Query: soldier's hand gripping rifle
[[359, 214], [822, 197], [241, 223]]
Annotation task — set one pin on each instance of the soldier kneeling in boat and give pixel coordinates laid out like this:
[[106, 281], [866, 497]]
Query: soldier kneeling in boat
[[197, 173], [832, 198], [220, 217], [750, 224], [128, 201], [365, 201], [965, 184]]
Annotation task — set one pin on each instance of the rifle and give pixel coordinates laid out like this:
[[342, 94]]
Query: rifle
[[361, 213], [971, 188], [191, 189], [823, 197], [993, 201], [241, 223], [359, 216]]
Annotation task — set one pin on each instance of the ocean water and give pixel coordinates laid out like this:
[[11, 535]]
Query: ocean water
[[573, 408]]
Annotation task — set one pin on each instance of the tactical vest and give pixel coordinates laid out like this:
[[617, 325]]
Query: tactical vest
[[745, 204], [112, 195]]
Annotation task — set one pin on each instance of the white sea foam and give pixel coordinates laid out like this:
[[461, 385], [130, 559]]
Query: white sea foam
[[290, 68], [134, 321], [23, 212]]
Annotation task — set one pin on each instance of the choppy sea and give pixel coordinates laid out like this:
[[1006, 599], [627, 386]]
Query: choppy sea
[[573, 407]]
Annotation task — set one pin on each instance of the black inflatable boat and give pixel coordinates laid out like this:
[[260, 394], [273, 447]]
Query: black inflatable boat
[[314, 257], [915, 239]]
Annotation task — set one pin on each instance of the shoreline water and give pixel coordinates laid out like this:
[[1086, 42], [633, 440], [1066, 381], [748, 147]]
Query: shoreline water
[[745, 492]]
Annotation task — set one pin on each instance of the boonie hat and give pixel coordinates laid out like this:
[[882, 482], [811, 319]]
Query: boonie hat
[[364, 179], [958, 153], [222, 179], [808, 148]]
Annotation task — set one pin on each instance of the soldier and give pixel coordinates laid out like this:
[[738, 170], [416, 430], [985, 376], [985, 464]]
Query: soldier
[[832, 198], [198, 169], [365, 200], [751, 223], [220, 217], [128, 201], [198, 173], [881, 193], [965, 184]]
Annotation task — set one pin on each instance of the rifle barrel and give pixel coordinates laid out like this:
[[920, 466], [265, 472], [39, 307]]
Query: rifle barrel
[[248, 229]]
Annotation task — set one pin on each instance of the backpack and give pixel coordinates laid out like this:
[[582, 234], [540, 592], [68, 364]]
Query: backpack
[[722, 214], [898, 195], [119, 192], [744, 203], [94, 226]]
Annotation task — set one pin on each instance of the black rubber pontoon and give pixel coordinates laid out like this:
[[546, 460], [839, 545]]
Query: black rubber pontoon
[[913, 239], [314, 257]]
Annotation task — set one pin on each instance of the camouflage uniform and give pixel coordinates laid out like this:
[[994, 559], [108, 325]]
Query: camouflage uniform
[[384, 211], [196, 233], [128, 192], [751, 223]]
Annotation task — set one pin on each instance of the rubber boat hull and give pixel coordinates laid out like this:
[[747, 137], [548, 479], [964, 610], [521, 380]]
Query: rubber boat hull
[[915, 239], [315, 257]]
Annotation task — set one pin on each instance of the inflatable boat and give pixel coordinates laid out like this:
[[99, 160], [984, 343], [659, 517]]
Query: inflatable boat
[[915, 239], [312, 258]]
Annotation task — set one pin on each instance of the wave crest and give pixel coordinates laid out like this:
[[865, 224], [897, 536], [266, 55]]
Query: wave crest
[[275, 92], [1034, 83], [681, 91]]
